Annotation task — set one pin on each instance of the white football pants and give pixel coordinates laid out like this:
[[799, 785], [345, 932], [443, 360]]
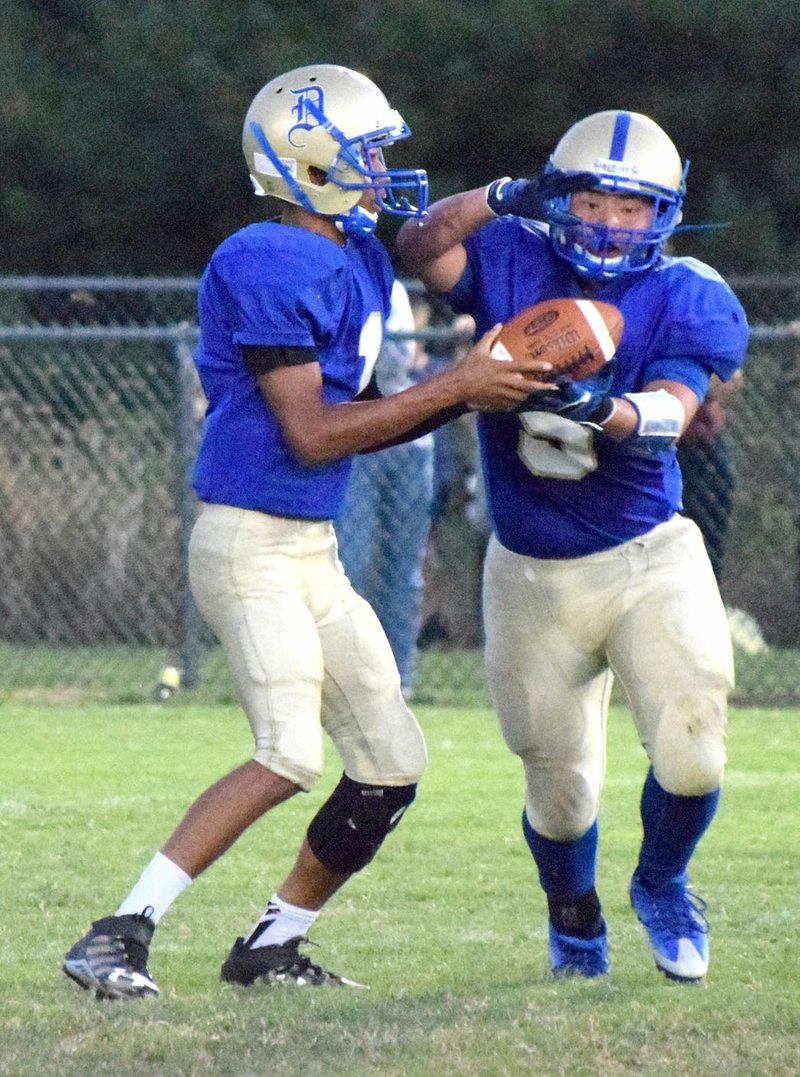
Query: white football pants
[[649, 612], [305, 650]]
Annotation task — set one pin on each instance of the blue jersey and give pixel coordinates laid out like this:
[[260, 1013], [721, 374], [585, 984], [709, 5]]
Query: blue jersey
[[271, 284], [556, 489]]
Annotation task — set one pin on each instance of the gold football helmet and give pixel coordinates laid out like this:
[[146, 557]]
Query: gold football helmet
[[315, 137], [622, 153]]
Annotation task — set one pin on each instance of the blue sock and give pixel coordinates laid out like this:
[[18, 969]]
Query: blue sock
[[566, 868], [673, 825]]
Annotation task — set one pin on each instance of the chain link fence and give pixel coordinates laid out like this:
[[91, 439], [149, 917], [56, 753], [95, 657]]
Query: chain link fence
[[99, 417]]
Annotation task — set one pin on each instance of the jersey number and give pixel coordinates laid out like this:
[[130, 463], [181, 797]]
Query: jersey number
[[553, 447], [369, 346]]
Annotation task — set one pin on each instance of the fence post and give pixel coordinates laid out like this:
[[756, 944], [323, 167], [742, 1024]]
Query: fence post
[[187, 432]]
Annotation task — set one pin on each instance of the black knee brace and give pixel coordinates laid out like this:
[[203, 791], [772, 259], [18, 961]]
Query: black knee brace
[[351, 825]]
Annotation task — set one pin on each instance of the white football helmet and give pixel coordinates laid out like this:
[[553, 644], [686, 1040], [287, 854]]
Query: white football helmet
[[336, 121], [623, 153]]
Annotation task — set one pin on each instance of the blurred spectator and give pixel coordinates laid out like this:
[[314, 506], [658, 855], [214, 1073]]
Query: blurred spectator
[[457, 543], [383, 528], [708, 465]]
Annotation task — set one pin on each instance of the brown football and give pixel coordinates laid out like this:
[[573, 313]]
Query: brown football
[[578, 336]]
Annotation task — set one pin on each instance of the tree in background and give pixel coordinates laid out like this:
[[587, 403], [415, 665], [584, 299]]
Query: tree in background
[[121, 121]]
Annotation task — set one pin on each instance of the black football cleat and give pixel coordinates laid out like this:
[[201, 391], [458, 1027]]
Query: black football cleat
[[111, 958], [277, 964]]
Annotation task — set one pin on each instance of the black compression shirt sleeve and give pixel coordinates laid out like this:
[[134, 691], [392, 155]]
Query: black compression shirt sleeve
[[261, 358]]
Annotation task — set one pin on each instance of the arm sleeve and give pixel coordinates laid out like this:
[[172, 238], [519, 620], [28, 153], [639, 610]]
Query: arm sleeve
[[260, 358], [460, 295], [292, 299], [693, 373], [705, 331]]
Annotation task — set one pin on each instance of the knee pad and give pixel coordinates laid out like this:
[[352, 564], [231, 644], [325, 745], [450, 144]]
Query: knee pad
[[352, 824], [688, 753], [561, 802]]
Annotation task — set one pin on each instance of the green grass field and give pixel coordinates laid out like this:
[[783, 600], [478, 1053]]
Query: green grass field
[[445, 677], [447, 925]]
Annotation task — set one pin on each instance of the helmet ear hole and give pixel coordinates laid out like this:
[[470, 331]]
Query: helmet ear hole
[[318, 176]]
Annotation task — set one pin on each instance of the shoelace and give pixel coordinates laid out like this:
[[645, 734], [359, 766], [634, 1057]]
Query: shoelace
[[303, 964], [133, 950], [682, 912]]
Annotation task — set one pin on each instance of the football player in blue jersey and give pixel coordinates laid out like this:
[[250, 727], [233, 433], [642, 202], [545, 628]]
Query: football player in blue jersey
[[291, 319], [592, 572]]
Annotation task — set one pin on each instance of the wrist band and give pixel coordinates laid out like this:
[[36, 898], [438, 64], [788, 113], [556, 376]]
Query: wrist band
[[659, 421], [659, 414]]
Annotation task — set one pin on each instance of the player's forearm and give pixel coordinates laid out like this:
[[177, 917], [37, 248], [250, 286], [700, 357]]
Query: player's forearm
[[344, 429], [319, 433], [624, 419], [446, 225]]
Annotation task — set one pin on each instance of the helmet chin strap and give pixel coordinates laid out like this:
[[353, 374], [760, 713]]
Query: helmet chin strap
[[357, 222]]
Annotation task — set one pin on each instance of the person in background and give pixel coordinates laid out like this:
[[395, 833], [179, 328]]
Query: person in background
[[708, 467], [454, 558], [384, 526], [707, 459]]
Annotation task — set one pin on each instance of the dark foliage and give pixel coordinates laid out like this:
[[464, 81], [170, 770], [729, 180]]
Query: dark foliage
[[121, 121]]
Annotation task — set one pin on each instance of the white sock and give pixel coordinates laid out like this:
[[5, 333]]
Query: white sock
[[158, 886], [281, 921]]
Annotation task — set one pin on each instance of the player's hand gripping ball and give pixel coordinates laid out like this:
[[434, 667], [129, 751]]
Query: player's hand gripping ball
[[578, 336]]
